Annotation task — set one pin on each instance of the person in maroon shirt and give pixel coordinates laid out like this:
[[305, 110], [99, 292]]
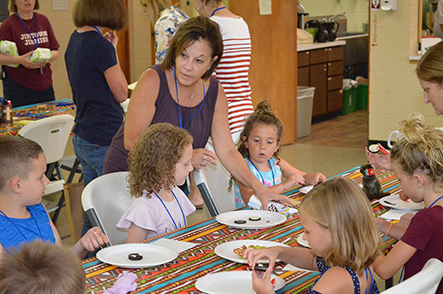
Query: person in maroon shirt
[[29, 82], [416, 161]]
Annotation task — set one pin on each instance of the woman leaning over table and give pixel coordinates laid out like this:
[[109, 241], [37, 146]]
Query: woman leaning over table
[[182, 92], [430, 76], [30, 82], [233, 69], [97, 82]]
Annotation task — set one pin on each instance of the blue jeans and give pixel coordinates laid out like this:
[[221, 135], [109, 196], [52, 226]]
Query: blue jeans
[[91, 158]]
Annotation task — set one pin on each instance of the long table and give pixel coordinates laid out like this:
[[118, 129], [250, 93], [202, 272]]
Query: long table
[[180, 275], [35, 112]]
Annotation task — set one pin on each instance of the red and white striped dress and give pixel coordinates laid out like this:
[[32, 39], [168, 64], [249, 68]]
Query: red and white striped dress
[[232, 71]]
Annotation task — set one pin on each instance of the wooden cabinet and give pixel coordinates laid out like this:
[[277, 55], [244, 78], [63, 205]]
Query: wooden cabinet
[[322, 69]]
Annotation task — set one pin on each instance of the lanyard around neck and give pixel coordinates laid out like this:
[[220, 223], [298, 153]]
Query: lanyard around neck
[[178, 102], [220, 8], [259, 172], [167, 210], [18, 229], [435, 201], [35, 27], [98, 31]]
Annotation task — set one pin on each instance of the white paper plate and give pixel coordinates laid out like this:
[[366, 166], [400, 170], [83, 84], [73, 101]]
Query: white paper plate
[[306, 189], [267, 219], [226, 250], [231, 283], [302, 242], [152, 255], [394, 201]]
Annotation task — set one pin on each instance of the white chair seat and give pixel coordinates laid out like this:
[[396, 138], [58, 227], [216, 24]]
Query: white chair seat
[[54, 186], [424, 282]]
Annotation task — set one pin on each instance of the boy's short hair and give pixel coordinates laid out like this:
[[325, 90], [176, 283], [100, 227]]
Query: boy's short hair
[[41, 268], [15, 157]]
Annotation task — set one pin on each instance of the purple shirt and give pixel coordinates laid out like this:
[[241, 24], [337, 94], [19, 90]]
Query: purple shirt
[[199, 126]]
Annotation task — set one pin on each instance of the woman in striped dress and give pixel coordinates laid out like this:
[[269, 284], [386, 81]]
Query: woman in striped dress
[[233, 69]]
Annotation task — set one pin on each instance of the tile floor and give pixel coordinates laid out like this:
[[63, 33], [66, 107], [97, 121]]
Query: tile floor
[[333, 146]]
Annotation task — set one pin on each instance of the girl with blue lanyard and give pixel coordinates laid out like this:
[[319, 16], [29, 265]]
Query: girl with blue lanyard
[[417, 161], [159, 162], [260, 145], [343, 241]]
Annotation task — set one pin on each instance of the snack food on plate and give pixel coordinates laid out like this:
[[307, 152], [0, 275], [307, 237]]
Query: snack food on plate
[[241, 250], [255, 203]]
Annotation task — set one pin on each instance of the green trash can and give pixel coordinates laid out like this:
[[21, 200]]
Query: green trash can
[[362, 96], [349, 101]]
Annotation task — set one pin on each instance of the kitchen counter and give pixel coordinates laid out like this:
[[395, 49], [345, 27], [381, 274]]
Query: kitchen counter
[[313, 46]]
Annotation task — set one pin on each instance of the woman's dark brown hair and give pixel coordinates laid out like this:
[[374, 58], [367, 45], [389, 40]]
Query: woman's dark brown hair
[[110, 14], [194, 29]]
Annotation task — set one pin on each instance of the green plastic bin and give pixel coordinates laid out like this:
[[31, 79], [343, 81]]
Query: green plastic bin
[[362, 96], [349, 101]]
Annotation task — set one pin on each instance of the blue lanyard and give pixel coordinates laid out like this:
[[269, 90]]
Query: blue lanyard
[[220, 8], [24, 237], [35, 27], [98, 30], [435, 201], [372, 280], [259, 172], [184, 218], [178, 102]]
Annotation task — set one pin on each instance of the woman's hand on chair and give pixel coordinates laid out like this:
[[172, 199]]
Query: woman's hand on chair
[[201, 157]]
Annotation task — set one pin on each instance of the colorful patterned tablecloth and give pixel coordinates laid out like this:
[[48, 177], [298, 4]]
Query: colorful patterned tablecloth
[[180, 275], [36, 112]]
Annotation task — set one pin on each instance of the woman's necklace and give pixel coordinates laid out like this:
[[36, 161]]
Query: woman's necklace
[[435, 201], [167, 210], [178, 102], [220, 8], [190, 96], [17, 228], [259, 172], [35, 40]]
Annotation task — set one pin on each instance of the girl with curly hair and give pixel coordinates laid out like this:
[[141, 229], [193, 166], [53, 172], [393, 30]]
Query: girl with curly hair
[[343, 238], [159, 162], [260, 145]]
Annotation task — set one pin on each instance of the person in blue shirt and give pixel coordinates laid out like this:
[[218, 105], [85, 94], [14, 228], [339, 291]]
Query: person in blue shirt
[[23, 218]]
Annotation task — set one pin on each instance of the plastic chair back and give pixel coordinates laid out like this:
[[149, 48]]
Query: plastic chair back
[[51, 133], [109, 196], [424, 282], [215, 192]]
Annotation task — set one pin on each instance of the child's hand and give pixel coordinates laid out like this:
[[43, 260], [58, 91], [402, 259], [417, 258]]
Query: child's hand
[[405, 219], [378, 161], [293, 180], [93, 239], [262, 286], [253, 255], [314, 178]]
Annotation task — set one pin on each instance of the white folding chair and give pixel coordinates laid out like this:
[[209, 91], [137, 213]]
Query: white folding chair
[[213, 182], [52, 134], [424, 282], [105, 199]]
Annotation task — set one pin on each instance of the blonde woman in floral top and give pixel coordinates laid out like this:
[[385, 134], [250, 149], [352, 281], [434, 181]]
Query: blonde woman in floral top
[[165, 18]]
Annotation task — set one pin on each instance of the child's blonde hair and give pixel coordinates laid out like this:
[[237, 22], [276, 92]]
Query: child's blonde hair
[[420, 149], [340, 206], [262, 114], [40, 268], [154, 156]]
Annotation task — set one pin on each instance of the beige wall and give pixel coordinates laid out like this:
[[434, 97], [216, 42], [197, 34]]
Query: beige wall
[[394, 90], [356, 10], [61, 21]]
